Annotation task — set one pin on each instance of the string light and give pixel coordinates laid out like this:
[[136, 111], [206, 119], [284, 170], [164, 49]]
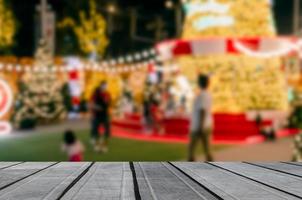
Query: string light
[[134, 61]]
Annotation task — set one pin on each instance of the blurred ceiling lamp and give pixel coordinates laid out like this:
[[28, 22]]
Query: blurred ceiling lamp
[[169, 4], [111, 8]]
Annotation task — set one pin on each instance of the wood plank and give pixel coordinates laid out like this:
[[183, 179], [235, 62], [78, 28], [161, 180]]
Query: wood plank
[[280, 181], [293, 170], [293, 163], [228, 185], [50, 182], [17, 173], [162, 181], [4, 165], [104, 181]]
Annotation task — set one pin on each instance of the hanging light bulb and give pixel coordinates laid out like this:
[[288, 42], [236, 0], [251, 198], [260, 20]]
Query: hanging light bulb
[[129, 58], [27, 68], [111, 8], [137, 56], [169, 4], [121, 60], [145, 54], [18, 68], [112, 62], [9, 67], [152, 52]]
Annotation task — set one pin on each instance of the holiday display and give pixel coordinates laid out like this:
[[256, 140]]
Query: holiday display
[[228, 18], [6, 101], [241, 83], [94, 79], [8, 26], [297, 156], [40, 94], [237, 48], [90, 31]]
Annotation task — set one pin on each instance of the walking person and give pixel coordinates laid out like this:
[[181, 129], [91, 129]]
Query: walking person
[[201, 120], [100, 104]]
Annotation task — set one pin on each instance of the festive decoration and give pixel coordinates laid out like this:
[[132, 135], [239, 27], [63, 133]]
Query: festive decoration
[[237, 82], [228, 18], [297, 157], [39, 99], [93, 81], [90, 31], [6, 101], [6, 98], [136, 81], [237, 49], [123, 64], [75, 82], [254, 47], [8, 26]]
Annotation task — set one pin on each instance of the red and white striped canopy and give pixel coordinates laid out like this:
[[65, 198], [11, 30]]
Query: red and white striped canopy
[[257, 47]]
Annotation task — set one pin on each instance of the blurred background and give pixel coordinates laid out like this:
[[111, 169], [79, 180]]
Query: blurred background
[[144, 57]]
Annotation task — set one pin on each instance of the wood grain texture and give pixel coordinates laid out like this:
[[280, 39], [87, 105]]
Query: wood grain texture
[[228, 185], [104, 181], [154, 181], [279, 181]]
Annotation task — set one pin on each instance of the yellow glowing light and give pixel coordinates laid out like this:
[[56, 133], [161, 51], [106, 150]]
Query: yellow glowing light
[[8, 26], [90, 31]]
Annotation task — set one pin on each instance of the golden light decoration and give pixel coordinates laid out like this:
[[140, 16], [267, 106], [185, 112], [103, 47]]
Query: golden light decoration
[[240, 83], [94, 79], [245, 23], [136, 81], [40, 92], [90, 31], [8, 26]]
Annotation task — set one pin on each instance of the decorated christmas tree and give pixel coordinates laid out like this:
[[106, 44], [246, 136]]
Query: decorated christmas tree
[[39, 100], [239, 82], [8, 26]]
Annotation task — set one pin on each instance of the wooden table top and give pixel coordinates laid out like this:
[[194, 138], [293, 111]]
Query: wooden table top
[[141, 180]]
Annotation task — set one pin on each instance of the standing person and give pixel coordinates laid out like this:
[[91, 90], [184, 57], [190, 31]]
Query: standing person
[[147, 107], [201, 121], [157, 117], [100, 104]]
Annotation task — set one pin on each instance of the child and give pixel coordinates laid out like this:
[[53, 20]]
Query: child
[[72, 147]]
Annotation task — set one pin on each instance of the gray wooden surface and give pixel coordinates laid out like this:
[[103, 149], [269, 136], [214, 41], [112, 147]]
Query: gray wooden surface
[[140, 180]]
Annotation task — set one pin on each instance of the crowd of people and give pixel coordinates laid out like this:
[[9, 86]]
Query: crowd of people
[[158, 103]]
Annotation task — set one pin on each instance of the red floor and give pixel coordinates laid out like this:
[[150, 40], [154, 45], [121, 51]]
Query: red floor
[[229, 129]]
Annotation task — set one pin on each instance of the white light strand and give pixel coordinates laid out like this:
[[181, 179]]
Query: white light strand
[[146, 56]]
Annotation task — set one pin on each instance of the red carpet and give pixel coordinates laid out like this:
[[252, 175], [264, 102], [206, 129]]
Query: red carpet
[[229, 129]]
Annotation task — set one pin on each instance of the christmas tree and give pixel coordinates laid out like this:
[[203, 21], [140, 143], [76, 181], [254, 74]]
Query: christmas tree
[[239, 82], [8, 26], [39, 100]]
